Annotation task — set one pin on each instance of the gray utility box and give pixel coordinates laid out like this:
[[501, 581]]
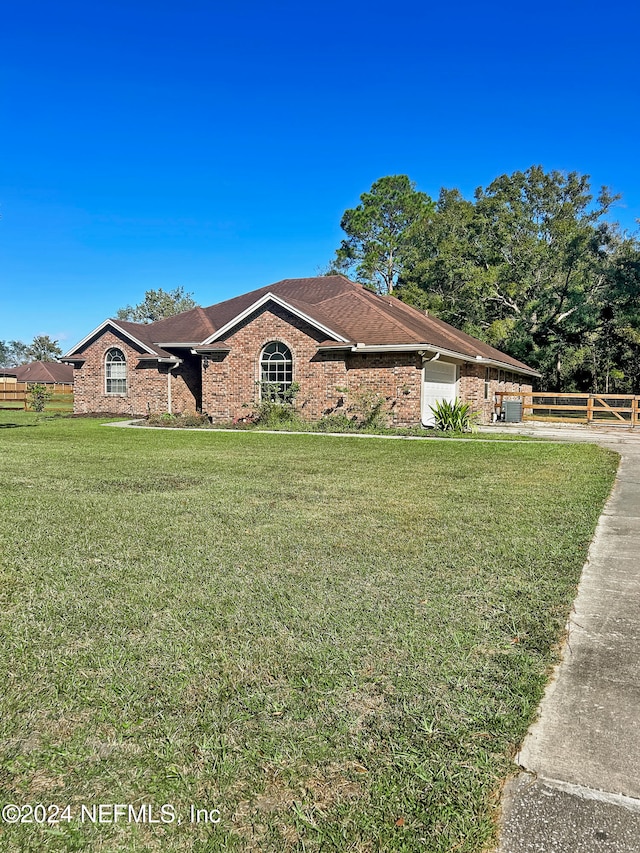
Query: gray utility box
[[512, 410]]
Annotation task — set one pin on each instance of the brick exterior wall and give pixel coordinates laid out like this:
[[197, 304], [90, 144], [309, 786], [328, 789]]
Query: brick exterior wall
[[329, 381], [186, 384], [395, 376], [147, 382], [230, 386], [228, 389], [472, 388]]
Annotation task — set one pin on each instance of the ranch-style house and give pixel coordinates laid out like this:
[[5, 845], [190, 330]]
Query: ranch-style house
[[332, 337]]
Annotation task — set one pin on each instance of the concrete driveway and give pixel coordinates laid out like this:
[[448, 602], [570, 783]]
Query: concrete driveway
[[579, 786]]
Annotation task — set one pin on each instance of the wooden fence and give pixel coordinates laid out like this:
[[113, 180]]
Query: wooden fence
[[604, 409], [12, 394]]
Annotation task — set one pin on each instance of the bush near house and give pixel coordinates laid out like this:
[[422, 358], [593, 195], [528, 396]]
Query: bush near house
[[453, 416]]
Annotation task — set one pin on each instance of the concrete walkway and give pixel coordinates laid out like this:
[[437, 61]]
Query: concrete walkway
[[579, 789]]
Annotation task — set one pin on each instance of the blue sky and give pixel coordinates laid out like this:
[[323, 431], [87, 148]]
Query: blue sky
[[215, 146]]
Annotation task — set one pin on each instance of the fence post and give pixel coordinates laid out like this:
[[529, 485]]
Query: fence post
[[590, 409], [527, 403], [634, 411]]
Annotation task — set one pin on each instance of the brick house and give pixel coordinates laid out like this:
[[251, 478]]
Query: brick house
[[334, 338]]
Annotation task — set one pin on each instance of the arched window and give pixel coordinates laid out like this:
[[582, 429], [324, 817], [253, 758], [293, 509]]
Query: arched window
[[115, 371], [276, 370]]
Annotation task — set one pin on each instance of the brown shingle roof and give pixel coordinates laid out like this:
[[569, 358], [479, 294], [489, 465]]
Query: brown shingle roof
[[44, 371], [190, 326], [361, 316], [343, 307], [443, 335], [145, 333]]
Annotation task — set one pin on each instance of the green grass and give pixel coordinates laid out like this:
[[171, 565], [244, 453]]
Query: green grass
[[339, 643], [59, 403]]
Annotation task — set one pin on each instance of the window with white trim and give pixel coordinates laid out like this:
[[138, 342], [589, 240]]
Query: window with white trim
[[115, 371], [276, 370]]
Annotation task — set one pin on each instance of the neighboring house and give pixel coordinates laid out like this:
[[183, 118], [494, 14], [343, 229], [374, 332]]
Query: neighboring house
[[44, 373], [331, 336], [8, 375]]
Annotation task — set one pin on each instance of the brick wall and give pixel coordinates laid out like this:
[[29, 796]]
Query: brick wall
[[230, 386], [472, 388], [147, 382], [186, 384], [329, 381], [397, 377]]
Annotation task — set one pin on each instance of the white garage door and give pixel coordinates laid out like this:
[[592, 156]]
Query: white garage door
[[439, 383]]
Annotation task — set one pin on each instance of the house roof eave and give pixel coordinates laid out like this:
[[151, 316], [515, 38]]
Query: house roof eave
[[419, 348], [160, 359], [198, 350]]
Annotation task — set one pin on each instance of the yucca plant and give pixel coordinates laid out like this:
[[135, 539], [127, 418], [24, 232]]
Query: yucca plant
[[453, 417]]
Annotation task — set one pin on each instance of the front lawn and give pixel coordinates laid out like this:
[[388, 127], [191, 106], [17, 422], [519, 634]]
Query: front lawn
[[337, 642], [57, 403]]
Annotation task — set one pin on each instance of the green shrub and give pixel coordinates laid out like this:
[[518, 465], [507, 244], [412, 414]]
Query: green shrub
[[277, 406], [193, 419], [369, 409], [365, 411], [336, 422], [454, 417], [274, 392], [186, 419], [272, 414], [38, 396]]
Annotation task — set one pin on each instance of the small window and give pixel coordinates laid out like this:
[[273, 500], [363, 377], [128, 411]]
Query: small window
[[487, 383], [115, 371], [276, 370]]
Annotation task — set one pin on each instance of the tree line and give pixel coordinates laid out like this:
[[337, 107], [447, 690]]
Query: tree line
[[41, 348], [533, 265]]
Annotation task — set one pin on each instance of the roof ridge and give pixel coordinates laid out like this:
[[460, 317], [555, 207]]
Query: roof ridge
[[208, 322], [365, 295], [339, 295]]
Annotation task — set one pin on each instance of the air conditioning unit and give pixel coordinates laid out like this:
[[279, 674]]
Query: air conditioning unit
[[512, 411]]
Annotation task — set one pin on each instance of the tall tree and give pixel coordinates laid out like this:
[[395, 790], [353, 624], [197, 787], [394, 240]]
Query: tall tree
[[4, 354], [380, 231], [13, 353], [526, 266], [550, 249], [615, 346], [42, 348], [445, 276], [158, 304]]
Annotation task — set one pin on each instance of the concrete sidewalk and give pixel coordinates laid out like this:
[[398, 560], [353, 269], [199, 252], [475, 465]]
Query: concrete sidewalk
[[579, 789]]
